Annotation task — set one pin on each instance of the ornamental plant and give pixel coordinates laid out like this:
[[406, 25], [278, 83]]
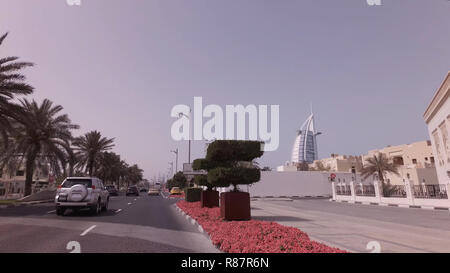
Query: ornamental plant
[[230, 162]]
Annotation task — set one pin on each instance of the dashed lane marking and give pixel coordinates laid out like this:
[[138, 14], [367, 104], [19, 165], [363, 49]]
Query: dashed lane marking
[[87, 230]]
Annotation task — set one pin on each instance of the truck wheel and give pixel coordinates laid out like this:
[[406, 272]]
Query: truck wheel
[[60, 211], [95, 209], [105, 207]]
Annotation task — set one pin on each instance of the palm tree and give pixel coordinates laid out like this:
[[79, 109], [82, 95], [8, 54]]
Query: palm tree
[[11, 85], [109, 167], [40, 132], [379, 165], [89, 147]]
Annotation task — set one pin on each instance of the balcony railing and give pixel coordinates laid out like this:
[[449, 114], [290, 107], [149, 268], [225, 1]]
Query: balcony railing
[[438, 191]]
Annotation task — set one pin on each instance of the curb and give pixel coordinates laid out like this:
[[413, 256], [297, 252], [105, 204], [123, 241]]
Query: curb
[[192, 221], [292, 197], [195, 223], [392, 205], [23, 204]]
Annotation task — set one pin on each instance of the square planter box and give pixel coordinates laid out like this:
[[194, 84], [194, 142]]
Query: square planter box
[[192, 194], [235, 206], [210, 199]]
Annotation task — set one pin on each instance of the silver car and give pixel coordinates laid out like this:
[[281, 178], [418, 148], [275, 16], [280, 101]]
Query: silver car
[[82, 192]]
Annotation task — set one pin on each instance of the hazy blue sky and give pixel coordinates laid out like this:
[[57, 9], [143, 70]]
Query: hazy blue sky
[[119, 66]]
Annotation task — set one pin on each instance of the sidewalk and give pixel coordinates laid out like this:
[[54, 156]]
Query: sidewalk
[[354, 233]]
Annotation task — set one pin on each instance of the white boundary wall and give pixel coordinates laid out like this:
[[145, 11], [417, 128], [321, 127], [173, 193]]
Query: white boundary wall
[[298, 183]]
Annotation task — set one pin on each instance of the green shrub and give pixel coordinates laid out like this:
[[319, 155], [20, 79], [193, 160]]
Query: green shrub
[[224, 163], [179, 180], [193, 194]]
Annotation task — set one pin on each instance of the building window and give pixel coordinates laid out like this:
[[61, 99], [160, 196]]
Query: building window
[[426, 158], [414, 161], [398, 160], [444, 134], [437, 142], [20, 173], [432, 159]]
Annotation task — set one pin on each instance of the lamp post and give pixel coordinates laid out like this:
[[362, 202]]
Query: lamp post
[[190, 130], [176, 162]]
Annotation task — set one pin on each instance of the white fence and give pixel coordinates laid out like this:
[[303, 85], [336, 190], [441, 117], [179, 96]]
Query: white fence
[[279, 184], [407, 195]]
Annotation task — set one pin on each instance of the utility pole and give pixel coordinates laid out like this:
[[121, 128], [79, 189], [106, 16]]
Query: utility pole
[[190, 134], [176, 162]]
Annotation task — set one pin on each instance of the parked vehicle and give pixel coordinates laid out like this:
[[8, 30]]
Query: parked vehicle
[[112, 190], [143, 190], [153, 191], [82, 193], [132, 190], [176, 191]]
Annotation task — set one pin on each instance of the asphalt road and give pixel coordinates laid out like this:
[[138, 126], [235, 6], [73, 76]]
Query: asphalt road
[[132, 224], [358, 228]]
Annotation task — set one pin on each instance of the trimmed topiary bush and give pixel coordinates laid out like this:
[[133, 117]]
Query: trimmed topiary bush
[[230, 162], [193, 194]]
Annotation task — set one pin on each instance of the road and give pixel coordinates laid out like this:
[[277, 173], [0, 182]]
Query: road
[[132, 224], [353, 226]]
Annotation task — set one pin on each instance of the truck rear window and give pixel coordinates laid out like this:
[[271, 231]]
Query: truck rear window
[[72, 182]]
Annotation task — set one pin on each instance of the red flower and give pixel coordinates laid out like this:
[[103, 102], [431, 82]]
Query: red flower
[[252, 236]]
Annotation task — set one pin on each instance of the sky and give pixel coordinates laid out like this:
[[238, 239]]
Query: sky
[[120, 66]]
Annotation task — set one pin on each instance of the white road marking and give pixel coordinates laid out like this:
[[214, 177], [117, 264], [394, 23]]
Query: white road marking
[[52, 211], [119, 210], [135, 199], [87, 230], [129, 203]]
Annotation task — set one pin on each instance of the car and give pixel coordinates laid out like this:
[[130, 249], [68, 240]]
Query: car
[[112, 190], [81, 193], [153, 191], [143, 190], [132, 190], [176, 191]]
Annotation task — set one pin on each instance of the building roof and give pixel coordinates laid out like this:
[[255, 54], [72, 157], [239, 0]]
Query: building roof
[[438, 99]]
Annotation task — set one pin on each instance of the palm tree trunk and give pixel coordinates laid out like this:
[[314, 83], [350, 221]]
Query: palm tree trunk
[[29, 170]]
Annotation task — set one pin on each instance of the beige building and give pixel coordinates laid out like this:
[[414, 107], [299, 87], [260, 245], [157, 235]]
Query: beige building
[[437, 118], [415, 162], [338, 163], [13, 181]]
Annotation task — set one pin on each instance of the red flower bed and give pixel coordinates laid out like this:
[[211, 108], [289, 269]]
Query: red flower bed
[[252, 236]]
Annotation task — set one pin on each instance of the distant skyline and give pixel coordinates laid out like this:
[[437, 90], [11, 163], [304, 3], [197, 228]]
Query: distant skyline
[[120, 66]]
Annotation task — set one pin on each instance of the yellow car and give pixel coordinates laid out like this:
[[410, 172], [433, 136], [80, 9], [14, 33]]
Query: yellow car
[[176, 190]]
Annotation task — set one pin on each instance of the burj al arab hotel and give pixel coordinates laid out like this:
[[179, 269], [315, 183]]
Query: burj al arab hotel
[[305, 145]]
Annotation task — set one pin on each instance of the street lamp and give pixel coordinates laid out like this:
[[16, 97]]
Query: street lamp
[[190, 130], [176, 162]]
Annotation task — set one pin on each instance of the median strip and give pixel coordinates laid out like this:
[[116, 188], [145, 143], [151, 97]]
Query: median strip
[[252, 236]]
